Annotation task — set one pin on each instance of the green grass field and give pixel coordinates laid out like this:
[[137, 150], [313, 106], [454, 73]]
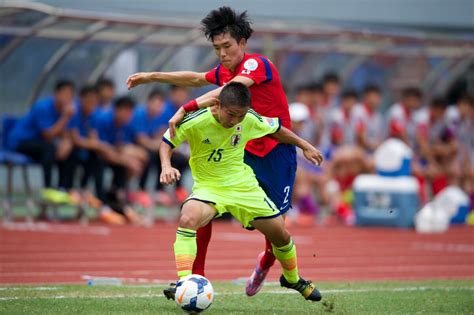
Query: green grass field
[[396, 297]]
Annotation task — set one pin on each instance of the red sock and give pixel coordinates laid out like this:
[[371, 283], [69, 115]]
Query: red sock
[[268, 258], [203, 237]]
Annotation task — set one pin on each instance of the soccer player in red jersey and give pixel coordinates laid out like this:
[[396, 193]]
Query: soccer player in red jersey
[[274, 164]]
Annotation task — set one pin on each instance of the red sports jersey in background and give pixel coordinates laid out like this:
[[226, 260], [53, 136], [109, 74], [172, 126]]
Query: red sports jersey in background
[[268, 97]]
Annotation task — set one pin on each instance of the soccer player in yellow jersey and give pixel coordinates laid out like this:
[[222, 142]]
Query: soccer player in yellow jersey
[[224, 183]]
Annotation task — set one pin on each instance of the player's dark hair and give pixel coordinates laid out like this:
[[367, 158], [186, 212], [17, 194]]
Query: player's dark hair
[[412, 92], [331, 77], [61, 84], [177, 87], [439, 102], [235, 93], [124, 102], [349, 93], [371, 88], [87, 89], [104, 82], [156, 93], [226, 20]]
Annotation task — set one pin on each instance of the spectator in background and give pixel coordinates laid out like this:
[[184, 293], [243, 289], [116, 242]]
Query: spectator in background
[[401, 116], [438, 145], [106, 90], [178, 96], [331, 89], [149, 123], [121, 155], [308, 95], [87, 147], [40, 134], [340, 118], [367, 120], [465, 136], [306, 174]]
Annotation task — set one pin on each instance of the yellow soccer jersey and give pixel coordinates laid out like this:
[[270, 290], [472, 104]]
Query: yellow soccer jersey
[[217, 153]]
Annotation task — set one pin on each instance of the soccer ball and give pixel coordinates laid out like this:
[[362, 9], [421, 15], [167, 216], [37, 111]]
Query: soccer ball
[[194, 293]]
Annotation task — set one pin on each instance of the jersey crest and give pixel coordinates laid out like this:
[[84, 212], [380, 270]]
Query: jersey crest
[[235, 140]]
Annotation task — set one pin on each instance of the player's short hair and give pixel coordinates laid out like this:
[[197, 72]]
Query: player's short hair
[[63, 83], [235, 93], [156, 93], [331, 77], [313, 86], [226, 20], [104, 82], [349, 93], [439, 102], [124, 102], [87, 89], [371, 88], [412, 91]]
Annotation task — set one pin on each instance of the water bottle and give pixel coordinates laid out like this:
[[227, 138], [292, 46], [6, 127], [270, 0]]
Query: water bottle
[[104, 281]]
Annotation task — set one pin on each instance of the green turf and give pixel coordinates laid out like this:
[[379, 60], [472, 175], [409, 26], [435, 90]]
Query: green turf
[[413, 297]]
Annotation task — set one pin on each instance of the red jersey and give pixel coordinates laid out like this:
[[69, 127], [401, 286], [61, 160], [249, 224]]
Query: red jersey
[[267, 95]]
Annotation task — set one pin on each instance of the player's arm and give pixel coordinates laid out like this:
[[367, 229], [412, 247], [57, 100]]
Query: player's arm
[[168, 175], [312, 154], [180, 78], [88, 143], [203, 101], [60, 125]]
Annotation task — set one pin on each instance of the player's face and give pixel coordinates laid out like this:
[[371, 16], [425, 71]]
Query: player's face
[[106, 94], [89, 103], [155, 105], [231, 115], [229, 51], [123, 116], [373, 99], [64, 96], [413, 102]]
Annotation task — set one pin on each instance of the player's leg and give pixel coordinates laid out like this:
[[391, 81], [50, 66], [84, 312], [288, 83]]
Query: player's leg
[[194, 214], [275, 174], [285, 251]]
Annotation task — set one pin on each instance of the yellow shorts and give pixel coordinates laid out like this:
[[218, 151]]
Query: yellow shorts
[[245, 205]]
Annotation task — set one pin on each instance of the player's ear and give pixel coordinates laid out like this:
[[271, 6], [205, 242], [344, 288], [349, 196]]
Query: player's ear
[[217, 103]]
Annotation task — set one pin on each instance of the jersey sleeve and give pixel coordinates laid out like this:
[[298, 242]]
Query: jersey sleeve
[[212, 76], [260, 126], [258, 69], [179, 137], [43, 116]]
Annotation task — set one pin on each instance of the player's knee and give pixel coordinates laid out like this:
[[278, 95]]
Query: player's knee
[[188, 222], [282, 238]]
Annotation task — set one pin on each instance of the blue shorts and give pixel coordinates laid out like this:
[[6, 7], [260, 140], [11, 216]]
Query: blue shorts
[[276, 173]]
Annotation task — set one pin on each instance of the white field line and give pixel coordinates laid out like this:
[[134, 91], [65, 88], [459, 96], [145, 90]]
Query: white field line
[[56, 228], [331, 291], [442, 247], [431, 268]]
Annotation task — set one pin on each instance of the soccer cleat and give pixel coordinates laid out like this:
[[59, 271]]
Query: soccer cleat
[[306, 288], [255, 282], [170, 292]]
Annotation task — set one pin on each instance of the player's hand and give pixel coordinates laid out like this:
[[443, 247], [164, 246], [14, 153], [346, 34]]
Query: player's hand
[[175, 121], [169, 175], [313, 155], [68, 110], [138, 78]]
